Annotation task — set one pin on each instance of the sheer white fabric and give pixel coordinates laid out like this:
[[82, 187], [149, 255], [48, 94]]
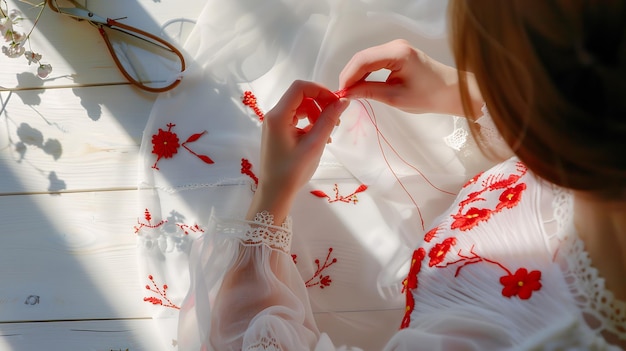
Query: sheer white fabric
[[352, 247]]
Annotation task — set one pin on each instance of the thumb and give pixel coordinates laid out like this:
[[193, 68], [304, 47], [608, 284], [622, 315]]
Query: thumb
[[320, 132]]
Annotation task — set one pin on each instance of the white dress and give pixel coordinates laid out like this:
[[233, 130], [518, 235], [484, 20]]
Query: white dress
[[383, 181]]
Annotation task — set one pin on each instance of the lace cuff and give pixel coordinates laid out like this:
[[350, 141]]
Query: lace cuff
[[260, 231]]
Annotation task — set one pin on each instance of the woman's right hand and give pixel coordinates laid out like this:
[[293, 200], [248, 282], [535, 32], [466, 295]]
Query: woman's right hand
[[416, 83]]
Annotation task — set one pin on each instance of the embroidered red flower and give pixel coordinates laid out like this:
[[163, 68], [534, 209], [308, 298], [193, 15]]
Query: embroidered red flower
[[438, 252], [470, 219], [165, 144], [511, 196], [521, 284]]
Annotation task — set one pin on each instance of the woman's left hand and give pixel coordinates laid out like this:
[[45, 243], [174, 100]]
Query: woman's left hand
[[290, 155]]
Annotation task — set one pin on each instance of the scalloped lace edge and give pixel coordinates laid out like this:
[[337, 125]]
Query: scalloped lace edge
[[260, 231], [583, 280]]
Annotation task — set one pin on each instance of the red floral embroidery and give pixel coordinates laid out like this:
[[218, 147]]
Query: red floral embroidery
[[511, 197], [162, 292], [470, 219], [431, 234], [189, 228], [185, 228], [148, 218], [351, 198], [522, 283], [319, 279], [410, 284], [438, 252], [249, 100], [165, 144], [246, 168]]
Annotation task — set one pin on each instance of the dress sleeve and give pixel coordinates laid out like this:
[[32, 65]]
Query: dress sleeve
[[245, 291]]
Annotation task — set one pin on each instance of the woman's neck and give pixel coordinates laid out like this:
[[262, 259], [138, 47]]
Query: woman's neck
[[601, 225]]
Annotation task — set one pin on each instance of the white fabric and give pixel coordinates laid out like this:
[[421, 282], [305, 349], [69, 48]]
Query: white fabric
[[340, 284]]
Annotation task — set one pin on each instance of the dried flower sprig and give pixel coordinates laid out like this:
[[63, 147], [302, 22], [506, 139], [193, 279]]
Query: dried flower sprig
[[17, 40]]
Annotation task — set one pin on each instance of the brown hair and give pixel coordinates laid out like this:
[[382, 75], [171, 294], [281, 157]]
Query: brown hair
[[553, 75]]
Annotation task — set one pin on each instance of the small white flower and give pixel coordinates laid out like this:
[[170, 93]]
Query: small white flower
[[13, 50], [32, 57], [44, 70]]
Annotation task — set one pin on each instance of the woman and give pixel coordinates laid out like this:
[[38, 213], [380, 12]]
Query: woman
[[517, 262]]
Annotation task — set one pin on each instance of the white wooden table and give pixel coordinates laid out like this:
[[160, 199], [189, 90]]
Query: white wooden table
[[68, 173]]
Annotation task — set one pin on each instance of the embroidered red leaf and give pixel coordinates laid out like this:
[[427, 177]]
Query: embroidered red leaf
[[361, 188], [153, 300], [205, 158], [194, 137], [319, 193], [147, 215]]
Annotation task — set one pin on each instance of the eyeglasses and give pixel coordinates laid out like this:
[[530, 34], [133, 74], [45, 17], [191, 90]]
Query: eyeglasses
[[145, 60]]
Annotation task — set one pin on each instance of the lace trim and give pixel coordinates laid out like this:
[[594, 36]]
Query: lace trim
[[602, 311], [260, 231], [265, 344]]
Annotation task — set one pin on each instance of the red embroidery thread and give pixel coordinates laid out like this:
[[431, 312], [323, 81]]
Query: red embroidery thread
[[367, 106], [190, 228], [410, 284], [165, 144], [318, 278], [164, 300], [509, 198], [521, 283], [249, 100], [148, 218], [246, 168], [350, 198]]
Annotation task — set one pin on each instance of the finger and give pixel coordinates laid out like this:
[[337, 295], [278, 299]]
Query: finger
[[319, 133], [389, 56], [309, 109], [379, 91], [287, 106]]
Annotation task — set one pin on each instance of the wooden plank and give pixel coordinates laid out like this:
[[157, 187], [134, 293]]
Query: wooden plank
[[55, 140], [77, 52], [369, 330], [70, 256], [113, 335]]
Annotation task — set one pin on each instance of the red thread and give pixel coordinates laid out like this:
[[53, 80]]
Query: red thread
[[164, 300], [318, 278], [249, 100], [367, 106], [350, 198], [246, 168], [149, 224], [190, 228]]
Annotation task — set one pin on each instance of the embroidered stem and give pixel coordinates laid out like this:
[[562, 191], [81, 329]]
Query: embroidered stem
[[322, 280], [163, 293]]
